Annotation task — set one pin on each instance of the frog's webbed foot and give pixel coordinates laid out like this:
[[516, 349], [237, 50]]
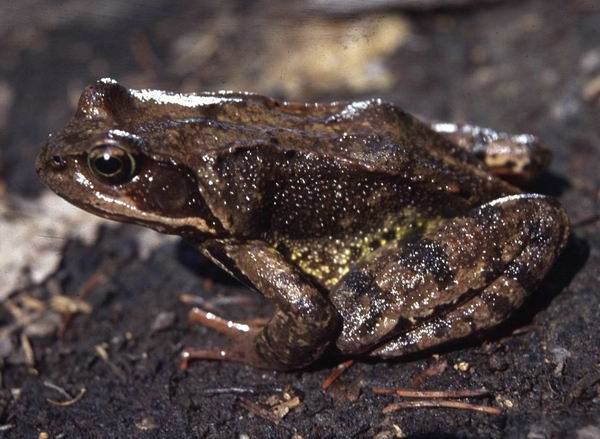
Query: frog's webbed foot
[[242, 335], [518, 158]]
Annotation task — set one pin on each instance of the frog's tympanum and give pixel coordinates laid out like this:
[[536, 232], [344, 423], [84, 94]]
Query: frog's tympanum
[[372, 232]]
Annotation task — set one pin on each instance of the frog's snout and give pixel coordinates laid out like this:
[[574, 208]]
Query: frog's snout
[[47, 159]]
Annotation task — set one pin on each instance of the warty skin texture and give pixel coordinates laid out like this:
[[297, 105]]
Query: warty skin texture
[[368, 228]]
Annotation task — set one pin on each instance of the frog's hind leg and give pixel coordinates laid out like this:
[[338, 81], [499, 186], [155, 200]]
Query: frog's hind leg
[[479, 313], [534, 229], [516, 157], [467, 275]]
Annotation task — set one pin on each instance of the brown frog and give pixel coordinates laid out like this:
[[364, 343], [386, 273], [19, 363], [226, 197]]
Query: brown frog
[[371, 231]]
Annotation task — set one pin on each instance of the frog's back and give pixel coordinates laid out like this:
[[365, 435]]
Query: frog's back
[[324, 183], [328, 188]]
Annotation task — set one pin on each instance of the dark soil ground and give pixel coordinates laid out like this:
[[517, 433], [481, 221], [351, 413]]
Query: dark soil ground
[[521, 66]]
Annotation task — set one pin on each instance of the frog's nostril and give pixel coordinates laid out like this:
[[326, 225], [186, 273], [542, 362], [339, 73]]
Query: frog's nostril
[[57, 161]]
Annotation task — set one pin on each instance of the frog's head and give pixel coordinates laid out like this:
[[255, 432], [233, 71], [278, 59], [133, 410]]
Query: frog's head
[[100, 165]]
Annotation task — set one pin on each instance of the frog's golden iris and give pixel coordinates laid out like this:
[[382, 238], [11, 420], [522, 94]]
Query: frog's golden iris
[[111, 163]]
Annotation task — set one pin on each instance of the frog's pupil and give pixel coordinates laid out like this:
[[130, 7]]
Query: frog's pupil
[[108, 165]]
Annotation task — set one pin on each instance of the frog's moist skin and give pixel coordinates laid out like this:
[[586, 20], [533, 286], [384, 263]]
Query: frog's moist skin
[[370, 230]]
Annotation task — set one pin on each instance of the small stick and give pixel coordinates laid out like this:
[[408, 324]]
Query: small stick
[[442, 403], [586, 221], [334, 375], [238, 390], [436, 368], [261, 412], [409, 393], [27, 350], [59, 389], [97, 278], [70, 401]]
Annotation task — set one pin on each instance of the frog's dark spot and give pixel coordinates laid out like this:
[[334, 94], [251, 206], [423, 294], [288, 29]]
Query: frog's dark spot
[[378, 303], [289, 154], [375, 244], [355, 253], [537, 233], [389, 235], [428, 257], [403, 325], [211, 112], [470, 321], [516, 270], [357, 282], [495, 267], [282, 248], [526, 274], [441, 330], [274, 140], [499, 307], [510, 164]]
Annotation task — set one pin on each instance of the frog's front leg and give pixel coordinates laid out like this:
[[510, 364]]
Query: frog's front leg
[[517, 157], [302, 327], [465, 276]]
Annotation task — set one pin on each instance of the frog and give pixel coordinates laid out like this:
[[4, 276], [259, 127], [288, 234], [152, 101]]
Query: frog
[[374, 233]]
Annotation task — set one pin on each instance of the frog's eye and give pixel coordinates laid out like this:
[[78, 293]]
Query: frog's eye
[[111, 164]]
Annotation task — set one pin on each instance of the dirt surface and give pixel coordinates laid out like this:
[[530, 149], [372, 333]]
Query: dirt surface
[[91, 352]]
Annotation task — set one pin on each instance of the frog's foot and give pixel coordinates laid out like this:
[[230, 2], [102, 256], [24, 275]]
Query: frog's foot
[[242, 347], [518, 158]]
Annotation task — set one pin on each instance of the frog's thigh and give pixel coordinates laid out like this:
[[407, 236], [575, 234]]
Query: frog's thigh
[[465, 276], [507, 155], [545, 227], [490, 308]]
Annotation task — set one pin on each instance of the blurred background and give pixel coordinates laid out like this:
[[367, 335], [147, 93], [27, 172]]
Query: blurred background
[[529, 66]]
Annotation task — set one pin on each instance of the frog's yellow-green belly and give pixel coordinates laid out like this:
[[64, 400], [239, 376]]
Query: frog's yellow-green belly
[[327, 260]]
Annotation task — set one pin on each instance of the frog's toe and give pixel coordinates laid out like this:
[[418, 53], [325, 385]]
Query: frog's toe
[[199, 316], [241, 349], [242, 345]]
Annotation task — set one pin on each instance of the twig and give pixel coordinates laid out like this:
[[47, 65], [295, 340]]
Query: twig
[[442, 403], [436, 368], [103, 354], [585, 221], [262, 412], [27, 350], [584, 383], [238, 390], [69, 401], [409, 393], [59, 389], [334, 375]]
